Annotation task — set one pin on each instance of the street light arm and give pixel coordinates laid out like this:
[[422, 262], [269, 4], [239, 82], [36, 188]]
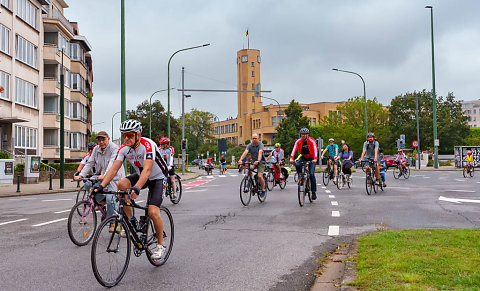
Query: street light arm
[[150, 109]]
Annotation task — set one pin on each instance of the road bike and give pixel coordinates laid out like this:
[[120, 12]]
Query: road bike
[[82, 220], [400, 170], [249, 186], [111, 251], [328, 172], [468, 170], [178, 189], [371, 181], [343, 179], [271, 174], [222, 168], [304, 184]]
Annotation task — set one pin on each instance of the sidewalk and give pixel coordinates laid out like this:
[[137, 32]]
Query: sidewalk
[[10, 190]]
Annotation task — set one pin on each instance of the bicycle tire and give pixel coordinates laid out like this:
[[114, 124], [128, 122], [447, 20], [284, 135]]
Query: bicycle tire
[[85, 219], [307, 188], [178, 188], [396, 172], [99, 243], [339, 182], [245, 191], [368, 184], [168, 232], [301, 191], [295, 177], [81, 193], [270, 181], [472, 172], [406, 173], [465, 172], [326, 176], [283, 181], [261, 199]]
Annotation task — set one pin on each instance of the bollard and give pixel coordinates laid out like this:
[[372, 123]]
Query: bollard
[[18, 183], [50, 182]]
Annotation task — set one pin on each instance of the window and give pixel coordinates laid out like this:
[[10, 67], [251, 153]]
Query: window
[[253, 73], [25, 93], [4, 39], [78, 111], [77, 53], [274, 120], [77, 141], [64, 44], [25, 137], [77, 82], [244, 59], [253, 98], [253, 86], [253, 64], [314, 121], [50, 137], [27, 11], [26, 52], [240, 131], [50, 104], [5, 3], [5, 83]]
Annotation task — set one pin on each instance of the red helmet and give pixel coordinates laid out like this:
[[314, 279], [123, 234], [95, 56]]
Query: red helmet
[[164, 140]]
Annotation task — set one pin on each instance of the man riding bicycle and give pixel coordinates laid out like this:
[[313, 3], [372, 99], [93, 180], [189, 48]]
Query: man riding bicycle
[[255, 148], [279, 155], [307, 147], [370, 152], [150, 171], [101, 159], [332, 149], [168, 152]]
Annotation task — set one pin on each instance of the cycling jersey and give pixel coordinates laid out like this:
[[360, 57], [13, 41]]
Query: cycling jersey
[[85, 159], [145, 150], [400, 157], [278, 155], [307, 148], [332, 150], [168, 155]]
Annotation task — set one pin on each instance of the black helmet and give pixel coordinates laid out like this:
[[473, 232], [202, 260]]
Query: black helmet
[[91, 145], [370, 134], [131, 125], [304, 131]]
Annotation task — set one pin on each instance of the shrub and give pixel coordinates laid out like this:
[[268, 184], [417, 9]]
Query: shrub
[[20, 167], [247, 141], [4, 155], [265, 142]]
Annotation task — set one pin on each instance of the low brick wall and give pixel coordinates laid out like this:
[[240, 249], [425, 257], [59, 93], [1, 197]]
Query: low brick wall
[[44, 176]]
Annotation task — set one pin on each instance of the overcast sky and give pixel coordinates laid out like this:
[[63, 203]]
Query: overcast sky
[[387, 42]]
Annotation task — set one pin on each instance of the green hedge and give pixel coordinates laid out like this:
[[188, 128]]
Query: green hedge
[[20, 167], [4, 155]]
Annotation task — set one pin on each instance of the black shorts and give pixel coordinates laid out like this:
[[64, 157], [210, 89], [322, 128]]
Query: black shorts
[[171, 172], [155, 189]]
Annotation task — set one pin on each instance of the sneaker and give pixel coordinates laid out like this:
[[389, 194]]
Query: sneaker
[[384, 185], [314, 196], [262, 194], [174, 196], [158, 252]]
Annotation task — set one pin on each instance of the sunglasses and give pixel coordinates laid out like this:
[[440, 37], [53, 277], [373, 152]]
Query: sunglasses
[[129, 135]]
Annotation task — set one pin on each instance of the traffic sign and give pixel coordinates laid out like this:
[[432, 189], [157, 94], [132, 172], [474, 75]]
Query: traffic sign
[[402, 137], [415, 143], [436, 142]]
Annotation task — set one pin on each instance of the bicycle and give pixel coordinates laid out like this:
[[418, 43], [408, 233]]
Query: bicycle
[[249, 186], [328, 172], [178, 189], [116, 247], [468, 170], [208, 169], [271, 181], [304, 185], [401, 170], [223, 169], [371, 181], [342, 179], [84, 216]]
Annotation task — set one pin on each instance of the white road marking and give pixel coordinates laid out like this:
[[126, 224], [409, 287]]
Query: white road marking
[[328, 191], [457, 200], [8, 222], [334, 203], [336, 213], [464, 191], [209, 177], [405, 188], [426, 177], [50, 222], [331, 196], [23, 198], [233, 175], [460, 180], [323, 187], [198, 190], [333, 230], [61, 199], [222, 176], [320, 185], [63, 211]]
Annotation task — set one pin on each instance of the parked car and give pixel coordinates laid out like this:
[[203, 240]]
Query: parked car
[[196, 162], [389, 161]]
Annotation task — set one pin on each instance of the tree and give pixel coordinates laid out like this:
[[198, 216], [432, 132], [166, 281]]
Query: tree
[[473, 138], [288, 129], [452, 127], [198, 128], [93, 137]]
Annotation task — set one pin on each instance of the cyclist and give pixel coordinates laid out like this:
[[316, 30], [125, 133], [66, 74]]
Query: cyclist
[[150, 171], [332, 149], [100, 159], [255, 148], [168, 152], [307, 147], [346, 156], [223, 164], [401, 159], [209, 164], [279, 156], [469, 159], [90, 147], [370, 152]]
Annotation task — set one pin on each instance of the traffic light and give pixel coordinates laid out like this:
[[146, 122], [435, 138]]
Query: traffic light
[[184, 144]]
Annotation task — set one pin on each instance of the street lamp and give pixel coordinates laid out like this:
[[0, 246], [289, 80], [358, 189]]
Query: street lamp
[[62, 123], [364, 96], [112, 121], [435, 140], [418, 128], [150, 111], [280, 112], [168, 82]]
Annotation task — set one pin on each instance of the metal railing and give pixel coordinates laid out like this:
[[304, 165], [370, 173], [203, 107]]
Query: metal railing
[[57, 15], [46, 167]]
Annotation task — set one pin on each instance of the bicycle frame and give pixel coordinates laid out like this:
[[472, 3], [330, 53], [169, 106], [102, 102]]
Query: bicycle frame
[[92, 200]]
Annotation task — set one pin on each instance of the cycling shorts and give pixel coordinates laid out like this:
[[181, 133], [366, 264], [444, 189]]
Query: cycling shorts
[[155, 189]]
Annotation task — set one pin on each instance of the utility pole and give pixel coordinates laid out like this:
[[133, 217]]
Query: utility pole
[[434, 95], [183, 121], [122, 61], [62, 125]]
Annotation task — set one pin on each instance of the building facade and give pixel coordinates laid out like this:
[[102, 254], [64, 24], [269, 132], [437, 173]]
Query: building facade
[[35, 39], [472, 110], [253, 116]]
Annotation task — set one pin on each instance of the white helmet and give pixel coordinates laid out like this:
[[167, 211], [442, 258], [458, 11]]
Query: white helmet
[[131, 125]]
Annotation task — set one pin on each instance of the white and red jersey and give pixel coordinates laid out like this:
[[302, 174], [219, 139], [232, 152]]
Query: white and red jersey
[[85, 159], [168, 154], [278, 155], [401, 157], [307, 148], [145, 150]]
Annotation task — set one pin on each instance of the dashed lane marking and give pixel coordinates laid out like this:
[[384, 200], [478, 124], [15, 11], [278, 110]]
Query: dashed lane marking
[[323, 187], [62, 211], [198, 190], [50, 222], [463, 191], [426, 177], [333, 230], [336, 213], [12, 221], [222, 176], [328, 191], [331, 196], [233, 175], [22, 198], [334, 203], [61, 199]]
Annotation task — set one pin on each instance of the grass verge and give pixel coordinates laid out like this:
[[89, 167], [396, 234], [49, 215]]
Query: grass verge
[[419, 259]]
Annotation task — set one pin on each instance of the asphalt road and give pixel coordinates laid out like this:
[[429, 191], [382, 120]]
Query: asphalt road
[[222, 245]]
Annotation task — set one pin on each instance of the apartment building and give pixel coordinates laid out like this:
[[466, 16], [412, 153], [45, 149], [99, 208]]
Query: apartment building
[[472, 110], [35, 39], [253, 116]]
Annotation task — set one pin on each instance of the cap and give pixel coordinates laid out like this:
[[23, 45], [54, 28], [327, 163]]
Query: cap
[[102, 134]]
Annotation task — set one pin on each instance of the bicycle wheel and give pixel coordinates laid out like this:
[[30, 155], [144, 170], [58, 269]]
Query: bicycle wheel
[[295, 177], [178, 190], [270, 181], [308, 191], [349, 181], [283, 181], [472, 171], [301, 191], [369, 184], [375, 185], [339, 181], [81, 195], [110, 252], [245, 191], [326, 176], [262, 199], [168, 236], [406, 172], [396, 172], [82, 222], [465, 172]]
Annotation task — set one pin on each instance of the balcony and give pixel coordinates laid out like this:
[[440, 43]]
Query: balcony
[[51, 86], [55, 17]]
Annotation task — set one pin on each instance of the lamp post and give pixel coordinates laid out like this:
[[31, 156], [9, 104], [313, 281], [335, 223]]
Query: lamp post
[[122, 63], [62, 125], [280, 112], [183, 121], [435, 140], [150, 111], [168, 80], [112, 122], [364, 96]]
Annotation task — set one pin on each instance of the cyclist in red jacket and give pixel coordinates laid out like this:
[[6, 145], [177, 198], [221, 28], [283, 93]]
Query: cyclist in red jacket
[[307, 147]]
